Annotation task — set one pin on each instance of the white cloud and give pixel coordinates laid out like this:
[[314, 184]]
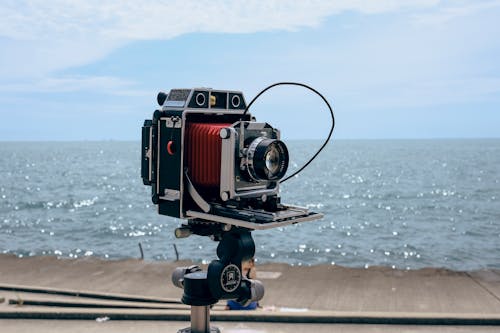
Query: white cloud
[[131, 20], [102, 84], [41, 37], [37, 58], [69, 84]]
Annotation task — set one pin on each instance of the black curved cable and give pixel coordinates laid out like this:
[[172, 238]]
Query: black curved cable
[[317, 93]]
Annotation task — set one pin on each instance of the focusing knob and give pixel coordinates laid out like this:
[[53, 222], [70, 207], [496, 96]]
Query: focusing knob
[[225, 133], [254, 292], [179, 273]]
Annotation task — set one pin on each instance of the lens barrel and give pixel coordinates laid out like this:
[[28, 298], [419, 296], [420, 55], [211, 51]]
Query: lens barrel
[[267, 159]]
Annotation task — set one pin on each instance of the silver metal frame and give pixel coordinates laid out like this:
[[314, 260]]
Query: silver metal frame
[[232, 147]]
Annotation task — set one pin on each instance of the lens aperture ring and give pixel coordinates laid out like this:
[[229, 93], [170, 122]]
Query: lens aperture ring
[[267, 159]]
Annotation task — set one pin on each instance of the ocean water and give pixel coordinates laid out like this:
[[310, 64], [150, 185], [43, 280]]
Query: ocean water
[[405, 204]]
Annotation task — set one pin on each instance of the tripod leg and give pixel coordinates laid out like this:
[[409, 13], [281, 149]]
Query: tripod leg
[[200, 319]]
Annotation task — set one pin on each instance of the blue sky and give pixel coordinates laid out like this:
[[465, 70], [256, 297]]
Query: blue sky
[[90, 70]]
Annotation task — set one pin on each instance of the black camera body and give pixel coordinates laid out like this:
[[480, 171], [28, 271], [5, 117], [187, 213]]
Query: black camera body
[[208, 160]]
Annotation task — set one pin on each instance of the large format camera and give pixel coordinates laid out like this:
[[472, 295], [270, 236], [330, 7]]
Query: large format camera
[[208, 160]]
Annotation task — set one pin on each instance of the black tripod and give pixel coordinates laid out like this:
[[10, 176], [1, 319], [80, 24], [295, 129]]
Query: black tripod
[[223, 280]]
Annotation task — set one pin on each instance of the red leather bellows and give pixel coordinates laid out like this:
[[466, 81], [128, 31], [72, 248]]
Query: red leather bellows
[[203, 149]]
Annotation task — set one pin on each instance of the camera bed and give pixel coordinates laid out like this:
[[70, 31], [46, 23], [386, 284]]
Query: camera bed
[[257, 219]]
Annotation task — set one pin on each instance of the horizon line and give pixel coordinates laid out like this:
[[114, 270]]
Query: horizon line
[[302, 139]]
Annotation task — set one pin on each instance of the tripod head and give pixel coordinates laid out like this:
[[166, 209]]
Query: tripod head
[[224, 278]]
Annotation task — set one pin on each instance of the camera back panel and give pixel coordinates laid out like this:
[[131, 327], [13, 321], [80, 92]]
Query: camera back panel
[[169, 163]]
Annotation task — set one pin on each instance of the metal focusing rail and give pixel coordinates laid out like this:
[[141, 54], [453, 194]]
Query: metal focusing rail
[[257, 219]]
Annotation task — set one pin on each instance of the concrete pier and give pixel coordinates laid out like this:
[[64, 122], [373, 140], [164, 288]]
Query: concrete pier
[[359, 300]]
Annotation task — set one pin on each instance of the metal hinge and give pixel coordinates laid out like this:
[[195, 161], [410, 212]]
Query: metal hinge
[[171, 195], [174, 122]]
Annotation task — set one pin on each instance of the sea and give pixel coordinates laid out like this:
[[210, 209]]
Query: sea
[[405, 204]]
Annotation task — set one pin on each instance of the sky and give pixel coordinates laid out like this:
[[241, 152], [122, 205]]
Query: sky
[[91, 70]]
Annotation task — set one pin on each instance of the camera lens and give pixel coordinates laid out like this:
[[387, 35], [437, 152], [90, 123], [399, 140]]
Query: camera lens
[[272, 160], [267, 159]]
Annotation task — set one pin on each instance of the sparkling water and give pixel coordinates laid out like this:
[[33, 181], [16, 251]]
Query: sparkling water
[[399, 203]]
